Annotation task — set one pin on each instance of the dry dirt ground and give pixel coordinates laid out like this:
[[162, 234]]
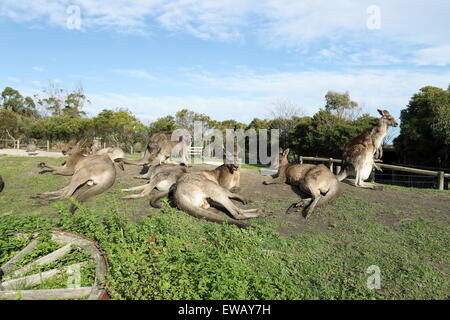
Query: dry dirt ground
[[275, 199]]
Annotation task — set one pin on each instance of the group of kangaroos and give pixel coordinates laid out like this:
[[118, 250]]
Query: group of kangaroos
[[195, 191]]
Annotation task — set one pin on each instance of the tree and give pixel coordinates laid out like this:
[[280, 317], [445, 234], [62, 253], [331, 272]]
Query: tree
[[425, 129], [325, 134], [74, 102], [185, 119], [166, 123], [285, 115], [119, 127], [12, 100], [341, 104]]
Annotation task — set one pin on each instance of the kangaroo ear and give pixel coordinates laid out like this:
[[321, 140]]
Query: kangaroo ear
[[286, 152], [380, 112]]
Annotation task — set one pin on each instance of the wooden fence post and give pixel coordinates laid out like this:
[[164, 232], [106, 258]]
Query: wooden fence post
[[48, 146], [330, 164], [301, 160], [338, 170], [441, 180]]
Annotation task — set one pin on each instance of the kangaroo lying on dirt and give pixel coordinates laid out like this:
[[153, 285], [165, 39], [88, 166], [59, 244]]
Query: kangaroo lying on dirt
[[2, 184], [161, 177], [316, 180], [361, 152], [159, 149], [97, 171], [194, 193], [227, 175]]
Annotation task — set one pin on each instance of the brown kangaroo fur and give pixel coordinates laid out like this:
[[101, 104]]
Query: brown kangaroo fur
[[227, 175], [361, 152], [194, 193], [2, 184], [113, 153], [159, 149], [97, 171], [316, 180], [161, 177], [76, 152]]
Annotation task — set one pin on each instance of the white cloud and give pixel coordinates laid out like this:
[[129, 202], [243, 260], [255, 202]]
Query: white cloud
[[436, 56], [38, 69], [12, 79], [135, 73], [245, 95]]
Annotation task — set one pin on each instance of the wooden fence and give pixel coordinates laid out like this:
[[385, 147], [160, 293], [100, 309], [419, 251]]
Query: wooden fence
[[440, 175]]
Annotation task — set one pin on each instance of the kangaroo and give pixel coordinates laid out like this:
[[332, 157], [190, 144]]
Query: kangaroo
[[361, 152], [227, 175], [194, 193], [160, 147], [97, 171], [113, 153], [316, 180], [161, 177], [76, 152], [2, 184]]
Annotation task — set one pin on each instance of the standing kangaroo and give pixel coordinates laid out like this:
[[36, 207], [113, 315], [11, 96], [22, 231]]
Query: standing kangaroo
[[97, 171], [361, 152], [160, 147], [194, 193], [316, 180]]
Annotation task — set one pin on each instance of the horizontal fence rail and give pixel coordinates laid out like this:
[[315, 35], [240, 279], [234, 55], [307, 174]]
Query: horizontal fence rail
[[441, 175]]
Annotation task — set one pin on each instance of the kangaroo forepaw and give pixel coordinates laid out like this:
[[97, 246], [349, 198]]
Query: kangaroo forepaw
[[235, 189], [41, 165]]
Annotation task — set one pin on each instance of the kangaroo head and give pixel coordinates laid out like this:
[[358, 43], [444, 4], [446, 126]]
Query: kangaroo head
[[73, 146], [387, 118], [231, 159], [283, 157]]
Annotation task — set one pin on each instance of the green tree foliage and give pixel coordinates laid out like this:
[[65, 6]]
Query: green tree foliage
[[61, 128], [425, 128], [325, 134], [12, 100], [340, 104], [119, 127], [186, 118], [166, 123]]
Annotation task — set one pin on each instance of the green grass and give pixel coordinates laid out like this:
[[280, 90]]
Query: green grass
[[171, 255]]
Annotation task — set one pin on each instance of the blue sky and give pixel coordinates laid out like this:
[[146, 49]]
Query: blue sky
[[228, 59]]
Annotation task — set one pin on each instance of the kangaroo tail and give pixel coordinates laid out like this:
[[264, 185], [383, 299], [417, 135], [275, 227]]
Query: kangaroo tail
[[333, 193], [93, 191], [210, 216], [154, 202]]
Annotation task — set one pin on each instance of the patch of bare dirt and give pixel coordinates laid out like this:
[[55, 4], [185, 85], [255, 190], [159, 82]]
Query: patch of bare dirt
[[275, 199]]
